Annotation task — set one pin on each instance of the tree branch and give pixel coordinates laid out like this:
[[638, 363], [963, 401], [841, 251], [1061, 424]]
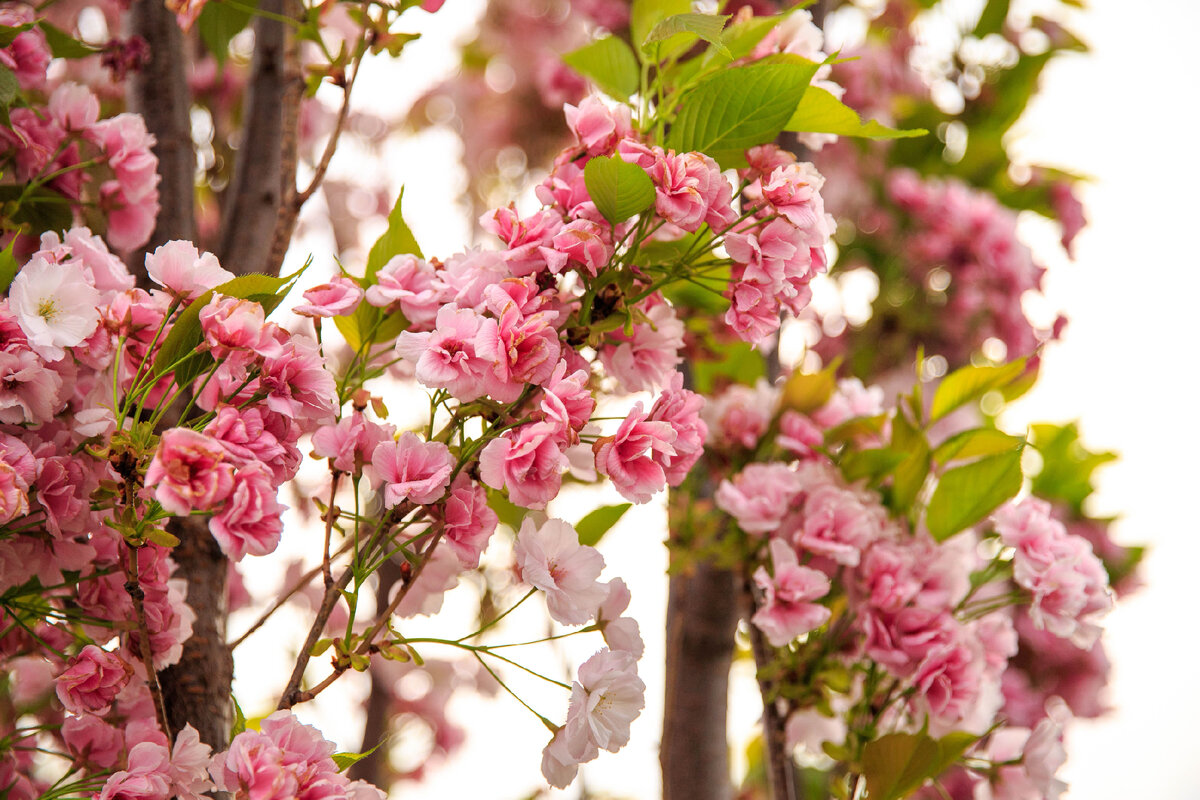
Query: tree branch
[[255, 229], [159, 92]]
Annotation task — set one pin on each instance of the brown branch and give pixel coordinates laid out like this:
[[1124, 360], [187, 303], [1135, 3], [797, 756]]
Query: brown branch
[[265, 171], [781, 773], [138, 595], [159, 92], [290, 692], [374, 768]]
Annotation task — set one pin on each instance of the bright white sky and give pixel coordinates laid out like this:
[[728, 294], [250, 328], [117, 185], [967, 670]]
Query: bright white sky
[[1124, 370]]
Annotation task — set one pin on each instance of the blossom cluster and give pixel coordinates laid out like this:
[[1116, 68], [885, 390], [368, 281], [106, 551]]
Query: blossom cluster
[[845, 582]]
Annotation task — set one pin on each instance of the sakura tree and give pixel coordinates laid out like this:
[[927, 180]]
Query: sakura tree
[[158, 404]]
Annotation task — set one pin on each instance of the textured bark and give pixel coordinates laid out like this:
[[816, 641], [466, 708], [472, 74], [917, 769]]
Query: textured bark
[[701, 619], [257, 221], [159, 92], [373, 768], [197, 690]]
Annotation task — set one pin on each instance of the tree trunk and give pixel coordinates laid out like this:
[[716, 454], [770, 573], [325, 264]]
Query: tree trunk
[[159, 92], [701, 619]]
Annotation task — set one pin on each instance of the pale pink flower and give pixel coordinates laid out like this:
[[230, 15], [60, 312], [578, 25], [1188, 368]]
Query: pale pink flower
[[446, 358], [585, 243], [681, 409], [838, 523], [438, 576], [29, 390], [127, 145], [351, 442], [605, 701], [646, 359], [28, 54], [760, 496], [144, 778], [851, 399], [753, 312], [527, 461], [559, 767], [799, 434], [250, 521], [566, 401], [337, 298], [190, 471], [551, 558], [466, 276], [787, 610], [130, 220], [412, 285], [253, 767], [91, 681], [632, 457], [93, 740], [188, 769], [230, 323], [529, 240], [597, 127], [620, 633], [794, 191], [518, 350], [412, 470], [690, 190], [296, 381], [104, 270], [250, 435], [54, 305], [468, 522], [73, 107], [949, 679], [740, 415], [63, 489], [180, 268]]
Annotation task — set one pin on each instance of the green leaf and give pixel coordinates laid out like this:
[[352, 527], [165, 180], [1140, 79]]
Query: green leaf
[[619, 189], [608, 63], [597, 522], [741, 38], [645, 14], [806, 393], [8, 86], [821, 112], [1067, 466], [706, 26], [219, 22], [397, 240], [991, 20], [239, 718], [509, 513], [42, 209], [909, 475], [63, 44], [970, 383], [897, 764], [10, 32], [974, 443], [185, 334], [967, 494], [871, 464], [346, 760], [739, 108], [8, 265], [736, 362]]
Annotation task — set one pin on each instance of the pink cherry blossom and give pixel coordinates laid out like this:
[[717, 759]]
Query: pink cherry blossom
[[249, 522], [412, 470], [605, 701], [787, 610], [566, 400], [799, 434], [93, 740], [632, 457], [551, 558], [529, 240], [527, 461], [585, 243], [410, 284], [446, 358], [597, 127], [337, 298], [144, 778], [559, 767], [181, 269], [740, 415], [351, 442], [620, 633], [681, 409], [55, 306], [296, 381], [468, 521], [760, 496], [250, 435], [190, 471], [29, 390], [91, 681], [230, 324], [646, 359], [518, 349], [73, 107]]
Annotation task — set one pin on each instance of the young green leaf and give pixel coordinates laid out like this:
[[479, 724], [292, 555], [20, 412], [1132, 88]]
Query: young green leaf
[[8, 86], [346, 760], [970, 383], [739, 108], [706, 26], [897, 764], [63, 44], [806, 392], [821, 112], [220, 22], [597, 522], [974, 443], [645, 14], [397, 240], [966, 494], [619, 189], [608, 63], [8, 265], [10, 32]]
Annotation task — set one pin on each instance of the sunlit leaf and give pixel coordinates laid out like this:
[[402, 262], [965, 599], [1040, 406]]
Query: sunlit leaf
[[608, 63], [967, 494], [619, 189], [597, 522]]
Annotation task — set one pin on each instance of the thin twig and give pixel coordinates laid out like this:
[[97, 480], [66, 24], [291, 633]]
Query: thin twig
[[134, 587]]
